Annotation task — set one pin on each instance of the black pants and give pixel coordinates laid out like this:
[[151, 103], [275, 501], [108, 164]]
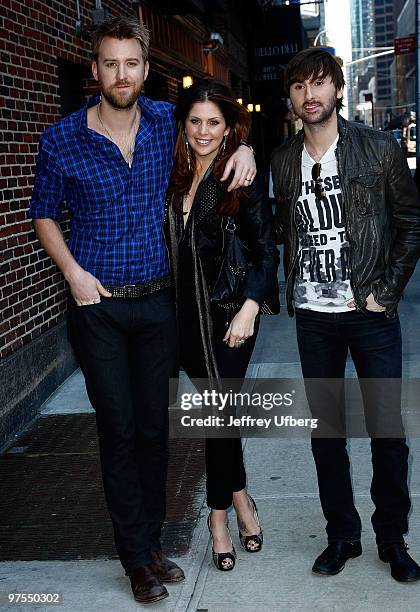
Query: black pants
[[224, 458], [374, 342], [126, 349]]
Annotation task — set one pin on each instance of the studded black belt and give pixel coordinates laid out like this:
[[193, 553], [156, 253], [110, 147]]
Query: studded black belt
[[135, 291]]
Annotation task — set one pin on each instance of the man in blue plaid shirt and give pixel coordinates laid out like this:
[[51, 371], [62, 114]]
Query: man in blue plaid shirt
[[110, 162]]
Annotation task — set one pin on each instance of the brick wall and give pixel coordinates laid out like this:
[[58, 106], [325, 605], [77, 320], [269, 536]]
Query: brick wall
[[34, 34], [38, 39]]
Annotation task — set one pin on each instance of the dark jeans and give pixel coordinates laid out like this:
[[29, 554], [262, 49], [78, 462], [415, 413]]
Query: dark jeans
[[374, 342], [224, 458], [126, 349]]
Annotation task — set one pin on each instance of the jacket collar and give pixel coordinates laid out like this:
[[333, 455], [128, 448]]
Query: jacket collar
[[343, 126]]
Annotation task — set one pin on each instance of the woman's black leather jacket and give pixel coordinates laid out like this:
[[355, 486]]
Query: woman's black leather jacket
[[205, 229]]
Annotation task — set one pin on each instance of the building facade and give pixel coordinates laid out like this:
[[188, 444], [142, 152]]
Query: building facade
[[403, 67], [360, 75], [385, 17]]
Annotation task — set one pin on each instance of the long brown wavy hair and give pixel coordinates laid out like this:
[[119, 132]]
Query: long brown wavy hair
[[236, 117]]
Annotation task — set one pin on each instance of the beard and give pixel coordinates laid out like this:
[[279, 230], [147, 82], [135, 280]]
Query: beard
[[327, 111], [117, 100]]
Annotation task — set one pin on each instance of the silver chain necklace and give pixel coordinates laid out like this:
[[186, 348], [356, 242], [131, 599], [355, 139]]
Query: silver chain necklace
[[128, 149]]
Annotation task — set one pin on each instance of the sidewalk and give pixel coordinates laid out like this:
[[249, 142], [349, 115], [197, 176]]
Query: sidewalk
[[282, 481]]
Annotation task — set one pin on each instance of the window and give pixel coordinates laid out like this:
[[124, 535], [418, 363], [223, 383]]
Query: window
[[71, 81], [156, 86]]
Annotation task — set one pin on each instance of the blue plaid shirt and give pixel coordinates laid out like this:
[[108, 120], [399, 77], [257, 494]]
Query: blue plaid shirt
[[116, 211]]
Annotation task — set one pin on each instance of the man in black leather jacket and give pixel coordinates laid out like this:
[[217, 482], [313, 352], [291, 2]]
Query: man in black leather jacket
[[350, 215]]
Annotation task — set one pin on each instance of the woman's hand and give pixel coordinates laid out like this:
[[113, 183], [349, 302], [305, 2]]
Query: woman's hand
[[243, 162], [242, 324]]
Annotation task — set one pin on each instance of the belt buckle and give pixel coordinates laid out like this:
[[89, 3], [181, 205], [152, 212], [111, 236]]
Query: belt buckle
[[129, 291]]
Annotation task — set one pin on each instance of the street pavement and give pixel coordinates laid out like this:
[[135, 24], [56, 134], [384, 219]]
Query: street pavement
[[281, 478]]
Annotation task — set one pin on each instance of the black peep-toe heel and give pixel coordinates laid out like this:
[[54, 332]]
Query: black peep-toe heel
[[224, 561], [252, 543]]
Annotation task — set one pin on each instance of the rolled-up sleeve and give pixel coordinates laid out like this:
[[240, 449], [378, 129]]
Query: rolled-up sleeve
[[48, 193]]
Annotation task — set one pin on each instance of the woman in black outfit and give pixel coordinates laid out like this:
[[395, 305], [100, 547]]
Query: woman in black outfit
[[216, 340]]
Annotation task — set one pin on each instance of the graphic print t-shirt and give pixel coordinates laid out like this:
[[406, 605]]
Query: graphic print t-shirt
[[323, 267]]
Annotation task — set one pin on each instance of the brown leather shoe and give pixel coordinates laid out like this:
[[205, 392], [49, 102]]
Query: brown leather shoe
[[146, 586], [166, 570]]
